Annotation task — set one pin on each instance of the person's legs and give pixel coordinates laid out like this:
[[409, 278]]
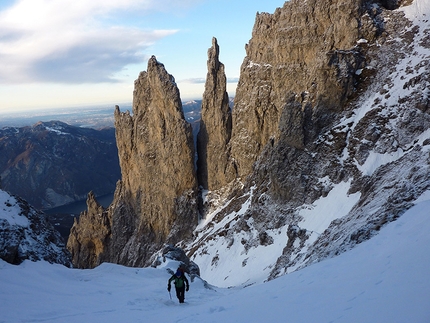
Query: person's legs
[[180, 293]]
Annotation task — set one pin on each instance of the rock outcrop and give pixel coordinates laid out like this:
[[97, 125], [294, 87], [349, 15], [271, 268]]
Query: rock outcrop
[[215, 168], [90, 234], [52, 163], [26, 233], [156, 200]]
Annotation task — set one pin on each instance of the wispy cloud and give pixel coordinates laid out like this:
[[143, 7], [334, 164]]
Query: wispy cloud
[[69, 41], [200, 80]]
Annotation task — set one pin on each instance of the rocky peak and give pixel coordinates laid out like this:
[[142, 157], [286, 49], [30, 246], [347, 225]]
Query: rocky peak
[[155, 201], [88, 239], [214, 166]]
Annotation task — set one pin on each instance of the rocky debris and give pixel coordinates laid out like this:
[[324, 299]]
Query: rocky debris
[[26, 233], [52, 163], [155, 201], [215, 168], [175, 253]]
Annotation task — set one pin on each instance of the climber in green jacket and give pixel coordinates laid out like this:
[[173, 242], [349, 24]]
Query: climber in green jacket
[[181, 284]]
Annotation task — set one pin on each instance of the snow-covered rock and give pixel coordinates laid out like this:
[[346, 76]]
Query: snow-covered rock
[[364, 169], [26, 233]]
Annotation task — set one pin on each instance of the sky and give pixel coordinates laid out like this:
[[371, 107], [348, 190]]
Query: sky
[[72, 53]]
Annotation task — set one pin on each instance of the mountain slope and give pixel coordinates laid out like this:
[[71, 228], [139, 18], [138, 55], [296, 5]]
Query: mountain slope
[[329, 143], [52, 163], [26, 233], [364, 168]]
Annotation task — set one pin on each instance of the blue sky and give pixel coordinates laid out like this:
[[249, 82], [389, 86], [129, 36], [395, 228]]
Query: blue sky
[[71, 53]]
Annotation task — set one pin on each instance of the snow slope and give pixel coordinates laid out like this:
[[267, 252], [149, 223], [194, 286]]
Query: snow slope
[[384, 279]]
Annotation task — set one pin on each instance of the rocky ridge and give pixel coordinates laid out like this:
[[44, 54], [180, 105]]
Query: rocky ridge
[[319, 112]]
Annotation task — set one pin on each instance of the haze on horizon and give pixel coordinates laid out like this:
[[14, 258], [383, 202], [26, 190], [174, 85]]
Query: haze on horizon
[[91, 52]]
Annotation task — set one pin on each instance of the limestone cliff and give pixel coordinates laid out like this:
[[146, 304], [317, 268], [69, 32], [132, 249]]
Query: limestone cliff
[[155, 202], [215, 168], [299, 69]]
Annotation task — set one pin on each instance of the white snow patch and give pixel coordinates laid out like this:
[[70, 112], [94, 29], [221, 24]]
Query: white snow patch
[[318, 216], [57, 131], [375, 160], [11, 211], [419, 9], [423, 197]]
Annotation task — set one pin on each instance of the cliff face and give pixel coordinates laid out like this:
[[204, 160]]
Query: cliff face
[[157, 163], [330, 135], [89, 237], [298, 72], [155, 201], [215, 168]]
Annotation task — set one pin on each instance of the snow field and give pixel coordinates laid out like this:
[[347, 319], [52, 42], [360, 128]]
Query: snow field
[[384, 279]]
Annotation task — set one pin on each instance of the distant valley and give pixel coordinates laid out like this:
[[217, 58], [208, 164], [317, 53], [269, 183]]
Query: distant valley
[[54, 164]]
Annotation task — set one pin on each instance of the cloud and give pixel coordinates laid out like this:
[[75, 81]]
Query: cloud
[[70, 41], [200, 80]]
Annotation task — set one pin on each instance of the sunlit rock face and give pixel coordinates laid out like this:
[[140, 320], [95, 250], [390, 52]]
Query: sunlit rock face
[[155, 202], [329, 136], [215, 167]]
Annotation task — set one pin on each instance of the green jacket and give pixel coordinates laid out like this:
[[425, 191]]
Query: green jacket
[[179, 281]]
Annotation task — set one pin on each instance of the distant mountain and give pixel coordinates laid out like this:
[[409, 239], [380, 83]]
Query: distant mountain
[[97, 117], [25, 233], [52, 163]]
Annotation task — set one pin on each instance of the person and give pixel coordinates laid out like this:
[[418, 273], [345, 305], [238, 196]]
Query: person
[[181, 284]]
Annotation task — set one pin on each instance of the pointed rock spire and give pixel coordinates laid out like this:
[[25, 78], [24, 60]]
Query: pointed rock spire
[[155, 202], [214, 168]]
